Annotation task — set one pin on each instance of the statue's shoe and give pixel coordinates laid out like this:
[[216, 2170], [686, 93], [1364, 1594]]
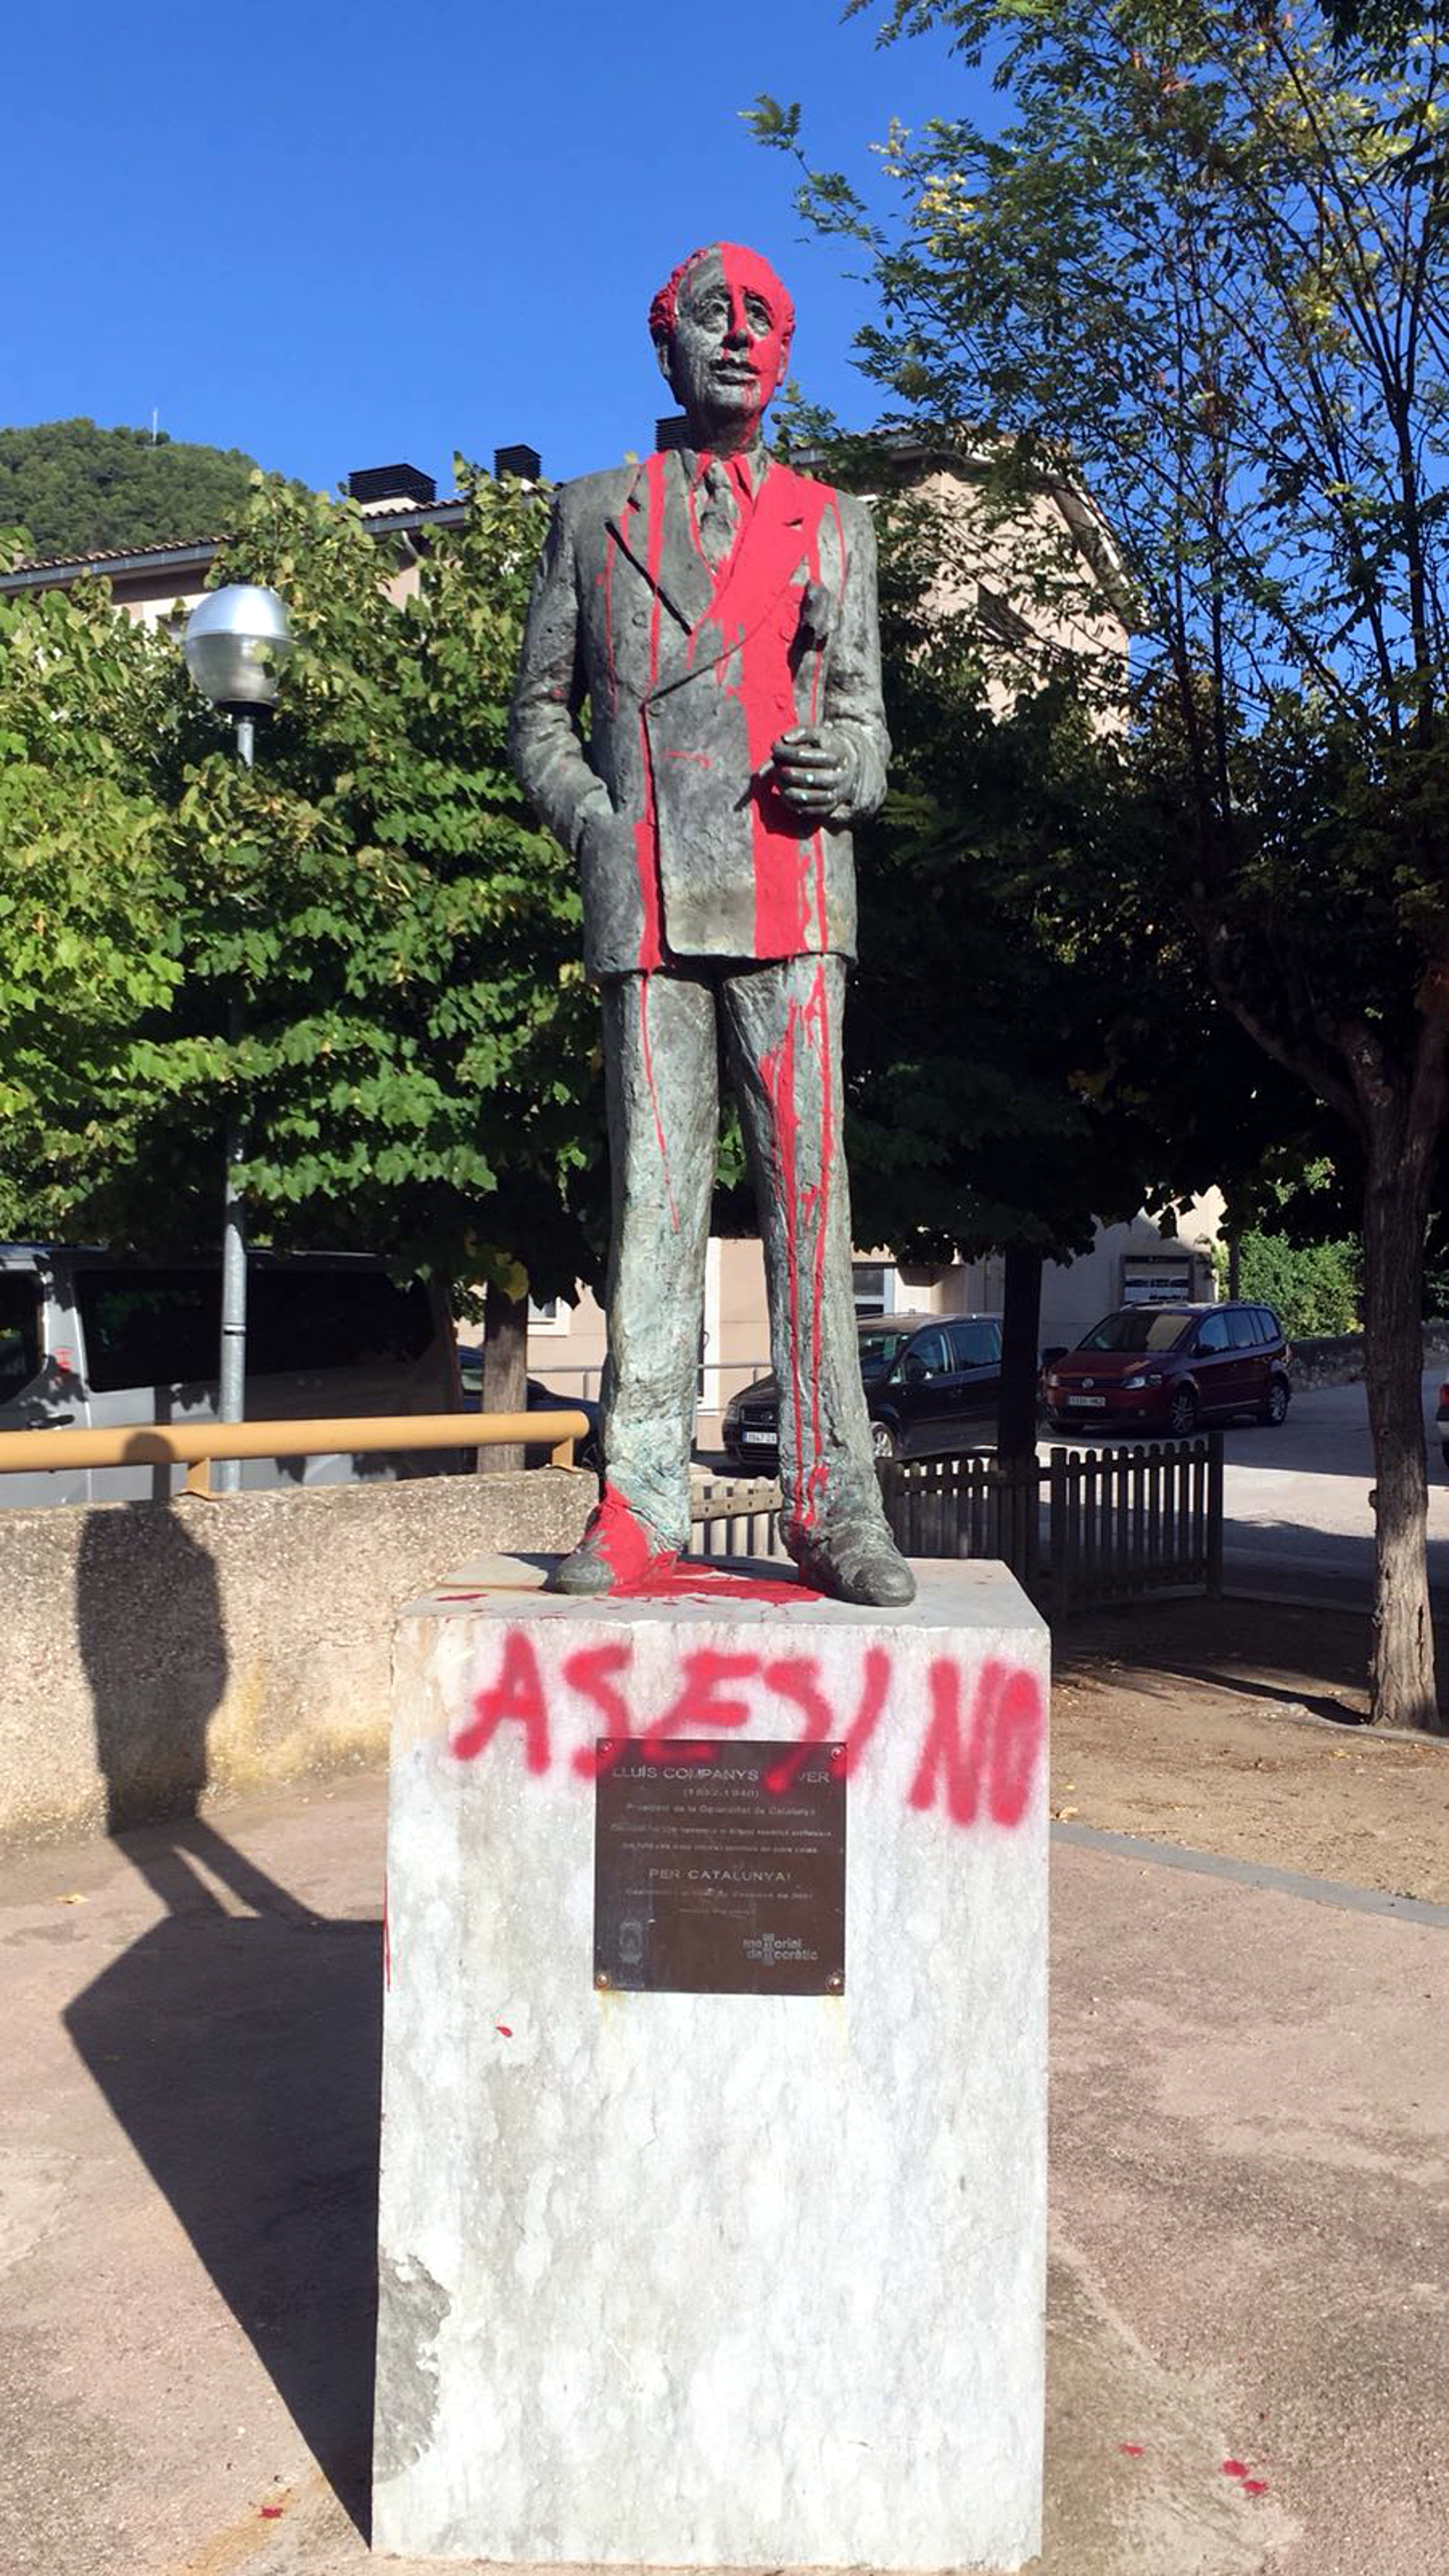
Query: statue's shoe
[[860, 1564], [619, 1552]]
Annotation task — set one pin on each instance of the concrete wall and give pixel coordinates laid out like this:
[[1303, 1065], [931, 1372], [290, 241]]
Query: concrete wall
[[1336, 1359], [155, 1656]]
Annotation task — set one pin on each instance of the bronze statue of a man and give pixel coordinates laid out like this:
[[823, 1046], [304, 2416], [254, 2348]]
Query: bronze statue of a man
[[718, 612]]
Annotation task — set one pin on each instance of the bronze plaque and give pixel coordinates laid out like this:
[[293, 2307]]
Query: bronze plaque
[[719, 1869]]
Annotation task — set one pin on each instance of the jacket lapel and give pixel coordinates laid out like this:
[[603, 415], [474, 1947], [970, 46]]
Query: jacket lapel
[[654, 529]]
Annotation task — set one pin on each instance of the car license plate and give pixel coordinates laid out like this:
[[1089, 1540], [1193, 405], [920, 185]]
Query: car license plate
[[764, 1439], [1079, 1399]]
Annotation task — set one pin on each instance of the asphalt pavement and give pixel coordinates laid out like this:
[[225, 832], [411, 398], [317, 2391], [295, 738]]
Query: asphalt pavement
[[1298, 1518]]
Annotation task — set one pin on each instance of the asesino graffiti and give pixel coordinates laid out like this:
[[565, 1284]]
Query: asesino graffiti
[[978, 1733]]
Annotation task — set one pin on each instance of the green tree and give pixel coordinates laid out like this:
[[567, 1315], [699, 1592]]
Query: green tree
[[1205, 259], [1032, 1049], [367, 940], [76, 489], [1314, 1287]]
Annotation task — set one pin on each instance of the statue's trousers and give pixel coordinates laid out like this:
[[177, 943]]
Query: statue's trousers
[[778, 1029]]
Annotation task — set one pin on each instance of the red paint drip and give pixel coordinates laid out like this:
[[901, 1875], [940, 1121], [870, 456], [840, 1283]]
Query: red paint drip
[[777, 1071], [817, 1200], [1130, 2450], [1235, 2468], [271, 2513], [1255, 2486], [874, 1685], [797, 1678], [503, 2030]]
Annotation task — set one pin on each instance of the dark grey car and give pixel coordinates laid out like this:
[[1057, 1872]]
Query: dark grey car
[[932, 1384]]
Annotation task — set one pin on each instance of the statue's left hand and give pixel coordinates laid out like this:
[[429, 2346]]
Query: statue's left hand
[[814, 769]]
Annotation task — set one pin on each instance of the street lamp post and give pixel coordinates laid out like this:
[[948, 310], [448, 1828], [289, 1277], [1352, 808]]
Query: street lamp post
[[235, 644]]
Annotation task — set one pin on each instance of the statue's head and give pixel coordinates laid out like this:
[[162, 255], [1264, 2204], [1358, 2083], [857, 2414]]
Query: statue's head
[[722, 327]]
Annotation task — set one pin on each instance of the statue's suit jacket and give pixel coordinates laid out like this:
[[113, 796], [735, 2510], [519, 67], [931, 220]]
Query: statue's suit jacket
[[685, 848]]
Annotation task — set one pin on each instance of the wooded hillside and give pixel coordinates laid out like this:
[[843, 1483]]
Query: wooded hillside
[[73, 487]]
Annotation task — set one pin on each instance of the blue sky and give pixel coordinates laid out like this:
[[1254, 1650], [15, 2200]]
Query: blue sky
[[341, 236]]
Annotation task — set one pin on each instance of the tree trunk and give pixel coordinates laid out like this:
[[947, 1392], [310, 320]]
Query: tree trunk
[[1401, 1673], [505, 1371], [1020, 1334]]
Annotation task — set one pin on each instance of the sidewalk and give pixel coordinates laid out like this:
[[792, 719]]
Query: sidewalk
[[1251, 2153]]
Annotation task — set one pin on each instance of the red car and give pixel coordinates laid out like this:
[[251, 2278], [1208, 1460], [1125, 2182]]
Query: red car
[[1168, 1368]]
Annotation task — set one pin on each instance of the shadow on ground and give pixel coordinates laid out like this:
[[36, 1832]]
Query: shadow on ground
[[241, 2055], [239, 2041], [1263, 1651]]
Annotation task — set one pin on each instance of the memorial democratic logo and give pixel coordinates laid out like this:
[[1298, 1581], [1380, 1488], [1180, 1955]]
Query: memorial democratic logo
[[769, 1950]]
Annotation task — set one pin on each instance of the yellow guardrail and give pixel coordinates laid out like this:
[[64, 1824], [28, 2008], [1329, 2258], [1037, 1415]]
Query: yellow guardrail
[[196, 1445]]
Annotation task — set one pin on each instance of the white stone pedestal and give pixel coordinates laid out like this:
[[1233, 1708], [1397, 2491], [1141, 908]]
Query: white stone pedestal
[[718, 2279]]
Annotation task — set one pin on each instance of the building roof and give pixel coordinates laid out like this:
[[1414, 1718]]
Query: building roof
[[196, 554]]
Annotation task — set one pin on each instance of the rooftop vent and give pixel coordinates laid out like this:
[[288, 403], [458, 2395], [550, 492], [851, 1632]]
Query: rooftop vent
[[523, 461], [377, 486], [671, 433]]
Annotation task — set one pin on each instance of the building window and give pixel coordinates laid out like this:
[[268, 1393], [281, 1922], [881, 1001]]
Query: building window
[[1163, 1279], [874, 1286], [546, 1315]]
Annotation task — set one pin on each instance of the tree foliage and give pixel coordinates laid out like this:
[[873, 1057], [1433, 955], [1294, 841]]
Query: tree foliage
[[74, 488], [1035, 1048], [1314, 1287], [1201, 265], [364, 940]]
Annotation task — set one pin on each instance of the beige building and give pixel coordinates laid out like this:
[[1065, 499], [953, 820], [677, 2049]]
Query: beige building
[[1127, 1264]]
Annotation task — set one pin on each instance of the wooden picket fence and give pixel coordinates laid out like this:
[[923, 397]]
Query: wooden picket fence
[[1090, 1526]]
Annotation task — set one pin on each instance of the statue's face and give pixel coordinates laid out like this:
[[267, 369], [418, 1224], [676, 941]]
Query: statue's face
[[729, 346]]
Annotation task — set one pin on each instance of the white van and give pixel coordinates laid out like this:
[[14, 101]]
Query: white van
[[95, 1340]]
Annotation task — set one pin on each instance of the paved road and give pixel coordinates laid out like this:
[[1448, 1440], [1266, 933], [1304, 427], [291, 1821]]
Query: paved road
[[1298, 1515], [1298, 1520]]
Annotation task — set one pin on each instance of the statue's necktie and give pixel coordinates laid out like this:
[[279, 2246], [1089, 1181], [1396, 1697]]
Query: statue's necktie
[[717, 513]]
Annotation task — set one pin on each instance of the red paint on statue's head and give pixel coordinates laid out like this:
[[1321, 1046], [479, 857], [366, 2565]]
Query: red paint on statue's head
[[749, 281]]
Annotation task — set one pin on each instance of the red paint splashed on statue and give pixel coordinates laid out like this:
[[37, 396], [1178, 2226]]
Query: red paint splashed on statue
[[745, 272], [778, 1070], [625, 1544], [817, 1202]]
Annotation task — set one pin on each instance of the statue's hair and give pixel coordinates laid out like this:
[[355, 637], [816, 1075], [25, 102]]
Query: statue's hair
[[665, 305]]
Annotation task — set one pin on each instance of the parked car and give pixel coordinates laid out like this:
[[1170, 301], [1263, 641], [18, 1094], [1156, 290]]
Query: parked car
[[1167, 1368], [931, 1381], [539, 1399], [99, 1340]]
